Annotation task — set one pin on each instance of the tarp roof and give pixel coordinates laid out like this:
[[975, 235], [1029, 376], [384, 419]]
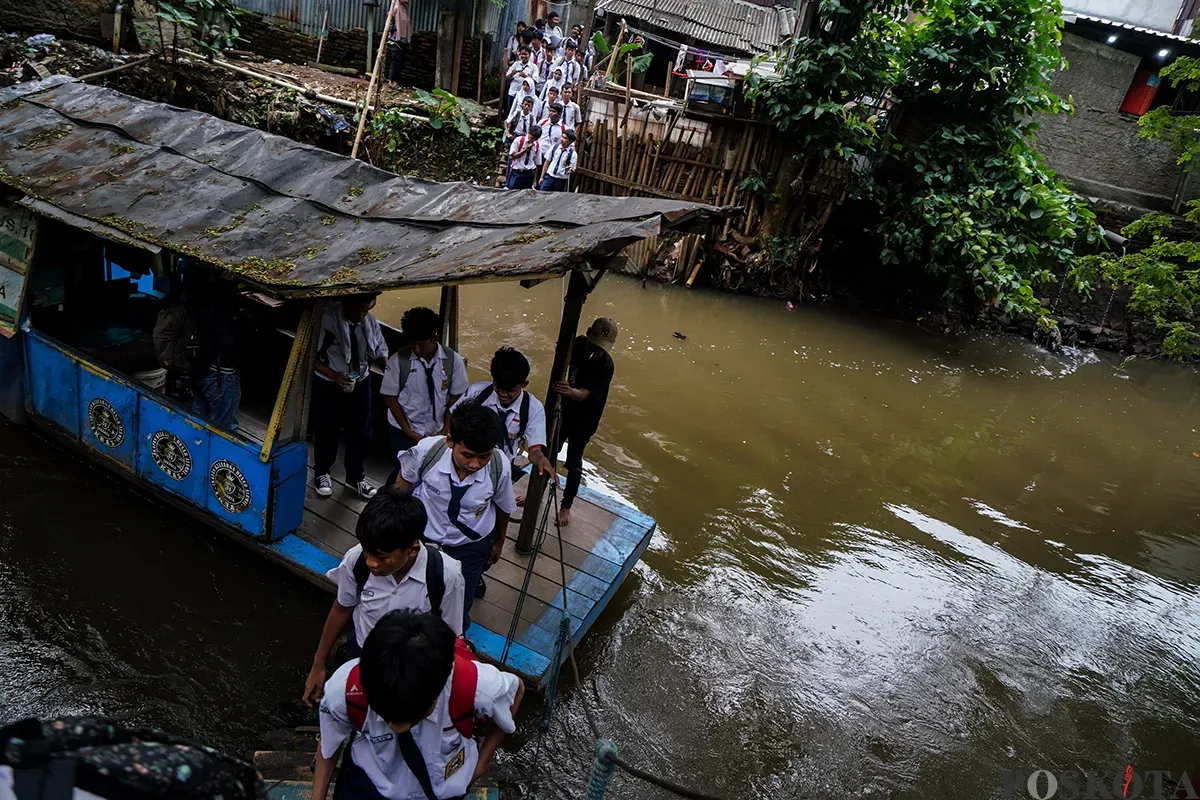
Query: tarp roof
[[293, 219]]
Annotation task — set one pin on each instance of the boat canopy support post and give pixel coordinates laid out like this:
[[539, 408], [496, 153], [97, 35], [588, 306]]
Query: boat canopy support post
[[448, 311], [578, 288], [303, 404], [291, 377]]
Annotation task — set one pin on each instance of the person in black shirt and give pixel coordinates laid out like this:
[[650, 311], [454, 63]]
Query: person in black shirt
[[584, 394]]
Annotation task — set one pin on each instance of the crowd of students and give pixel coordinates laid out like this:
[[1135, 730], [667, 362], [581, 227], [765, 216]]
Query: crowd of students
[[545, 73], [411, 694]]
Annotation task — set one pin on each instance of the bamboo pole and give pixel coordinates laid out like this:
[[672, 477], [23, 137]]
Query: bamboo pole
[[321, 38], [294, 365], [613, 55], [106, 72], [362, 120], [479, 79]]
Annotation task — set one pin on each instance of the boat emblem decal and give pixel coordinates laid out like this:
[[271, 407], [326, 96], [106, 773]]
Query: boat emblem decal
[[105, 423], [229, 486], [171, 454]]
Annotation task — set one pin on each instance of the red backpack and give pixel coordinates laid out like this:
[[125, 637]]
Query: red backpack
[[463, 683]]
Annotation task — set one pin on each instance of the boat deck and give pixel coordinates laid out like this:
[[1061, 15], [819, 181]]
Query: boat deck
[[604, 540]]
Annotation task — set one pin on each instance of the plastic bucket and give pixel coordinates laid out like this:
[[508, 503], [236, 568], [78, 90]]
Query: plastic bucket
[[155, 379]]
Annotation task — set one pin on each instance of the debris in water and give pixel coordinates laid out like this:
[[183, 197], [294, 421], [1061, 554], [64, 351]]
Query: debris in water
[[679, 336], [791, 306]]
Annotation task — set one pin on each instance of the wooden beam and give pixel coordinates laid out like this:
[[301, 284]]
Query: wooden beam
[[460, 33], [568, 329], [300, 347], [624, 184], [448, 311]]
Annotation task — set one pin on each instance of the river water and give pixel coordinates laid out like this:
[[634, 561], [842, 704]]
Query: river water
[[887, 564]]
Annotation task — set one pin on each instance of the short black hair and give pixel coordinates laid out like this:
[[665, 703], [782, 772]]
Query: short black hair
[[527, 98], [523, 48], [475, 427], [556, 107], [570, 134], [521, 24], [510, 369], [571, 45], [537, 22], [421, 323], [390, 521], [553, 15], [405, 663], [535, 131]]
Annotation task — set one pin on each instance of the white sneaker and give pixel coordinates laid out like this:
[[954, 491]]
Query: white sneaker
[[324, 485], [366, 491]]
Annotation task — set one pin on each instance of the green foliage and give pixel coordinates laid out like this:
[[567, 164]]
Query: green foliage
[[212, 23], [638, 63], [400, 145], [1181, 131], [1163, 278], [444, 110]]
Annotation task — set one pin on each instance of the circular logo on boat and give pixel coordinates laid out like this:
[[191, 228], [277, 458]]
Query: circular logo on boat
[[170, 454], [229, 485], [105, 423]]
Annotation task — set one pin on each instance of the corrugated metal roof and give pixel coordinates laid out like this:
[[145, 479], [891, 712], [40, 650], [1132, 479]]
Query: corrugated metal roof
[[731, 24], [292, 219], [1073, 16]]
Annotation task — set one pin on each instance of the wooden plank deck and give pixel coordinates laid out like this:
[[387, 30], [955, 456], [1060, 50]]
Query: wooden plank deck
[[600, 546]]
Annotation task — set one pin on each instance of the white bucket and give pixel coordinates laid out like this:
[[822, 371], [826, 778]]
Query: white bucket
[[155, 379]]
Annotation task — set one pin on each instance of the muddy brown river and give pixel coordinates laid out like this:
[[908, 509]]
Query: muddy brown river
[[887, 565]]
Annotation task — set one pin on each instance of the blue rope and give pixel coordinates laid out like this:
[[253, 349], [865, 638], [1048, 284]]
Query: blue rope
[[602, 769]]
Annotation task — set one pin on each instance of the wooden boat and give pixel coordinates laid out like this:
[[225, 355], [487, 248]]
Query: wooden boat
[[107, 199]]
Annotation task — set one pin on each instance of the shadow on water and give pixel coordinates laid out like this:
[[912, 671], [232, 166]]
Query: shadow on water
[[888, 565]]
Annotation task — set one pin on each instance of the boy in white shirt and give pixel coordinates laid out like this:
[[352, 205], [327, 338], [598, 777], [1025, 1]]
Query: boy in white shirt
[[560, 163], [422, 381], [405, 696], [552, 129], [541, 109], [572, 116], [521, 68], [465, 482], [351, 342], [521, 118], [389, 569], [524, 159], [572, 67], [556, 80], [554, 32]]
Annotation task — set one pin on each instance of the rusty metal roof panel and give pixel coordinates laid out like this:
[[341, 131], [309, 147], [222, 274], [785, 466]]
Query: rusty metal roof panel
[[293, 219], [735, 24]]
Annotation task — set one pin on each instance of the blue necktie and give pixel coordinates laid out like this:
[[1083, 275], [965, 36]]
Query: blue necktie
[[456, 496]]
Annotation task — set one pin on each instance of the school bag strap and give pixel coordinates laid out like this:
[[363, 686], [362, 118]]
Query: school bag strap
[[495, 467], [483, 396], [435, 580], [463, 684], [405, 363]]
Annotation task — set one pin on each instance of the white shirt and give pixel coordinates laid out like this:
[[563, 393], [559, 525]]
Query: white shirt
[[551, 134], [535, 429], [541, 109], [518, 70], [557, 83], [449, 757], [554, 35], [478, 505], [572, 70], [334, 349], [518, 120], [424, 418], [381, 595], [527, 161], [571, 115], [561, 161]]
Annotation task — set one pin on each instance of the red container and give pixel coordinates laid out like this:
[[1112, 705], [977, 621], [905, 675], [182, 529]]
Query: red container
[[1141, 93]]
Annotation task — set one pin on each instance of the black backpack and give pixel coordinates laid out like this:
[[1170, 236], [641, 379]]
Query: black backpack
[[488, 392], [435, 578]]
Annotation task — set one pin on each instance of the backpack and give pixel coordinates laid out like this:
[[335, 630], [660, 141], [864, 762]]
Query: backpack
[[463, 683], [405, 363], [495, 466], [483, 396]]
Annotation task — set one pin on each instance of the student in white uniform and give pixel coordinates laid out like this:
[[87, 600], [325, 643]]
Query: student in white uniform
[[552, 58], [422, 381], [537, 54], [561, 161], [404, 695], [465, 482], [556, 79], [521, 68], [514, 42], [524, 159], [541, 109], [552, 129], [522, 116], [350, 343], [389, 569], [572, 67], [522, 415], [554, 32], [572, 116]]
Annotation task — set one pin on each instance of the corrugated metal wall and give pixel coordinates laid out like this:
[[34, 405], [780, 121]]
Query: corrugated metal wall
[[306, 15]]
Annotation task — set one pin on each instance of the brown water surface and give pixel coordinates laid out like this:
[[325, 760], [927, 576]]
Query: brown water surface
[[887, 565]]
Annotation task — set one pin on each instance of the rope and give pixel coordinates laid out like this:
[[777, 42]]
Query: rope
[[602, 769], [661, 783]]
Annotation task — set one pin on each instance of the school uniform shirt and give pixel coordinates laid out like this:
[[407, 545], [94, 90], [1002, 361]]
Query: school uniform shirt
[[518, 121], [541, 109], [347, 348], [514, 47], [450, 758], [518, 70], [424, 417], [478, 503], [572, 116], [554, 35], [538, 58], [573, 71], [560, 160], [551, 135], [381, 595], [535, 428], [557, 83], [527, 161]]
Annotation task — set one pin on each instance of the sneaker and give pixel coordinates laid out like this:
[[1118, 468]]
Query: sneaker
[[324, 485], [366, 491], [481, 589]]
